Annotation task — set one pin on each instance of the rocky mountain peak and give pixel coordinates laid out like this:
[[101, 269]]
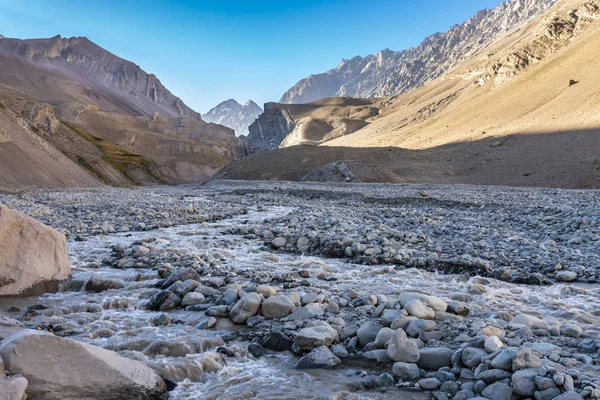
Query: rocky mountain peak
[[391, 72], [232, 114]]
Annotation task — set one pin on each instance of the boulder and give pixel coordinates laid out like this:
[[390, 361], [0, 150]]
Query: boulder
[[277, 306], [418, 309], [434, 358], [320, 357], [33, 256], [403, 349], [433, 302], [13, 388], [406, 371], [523, 382], [74, 370], [368, 331], [316, 336], [97, 284], [245, 308]]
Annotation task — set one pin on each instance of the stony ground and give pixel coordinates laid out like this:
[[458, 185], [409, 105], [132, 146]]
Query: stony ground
[[441, 289]]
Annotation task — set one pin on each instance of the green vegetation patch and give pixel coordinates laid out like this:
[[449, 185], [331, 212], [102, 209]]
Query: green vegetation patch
[[120, 158]]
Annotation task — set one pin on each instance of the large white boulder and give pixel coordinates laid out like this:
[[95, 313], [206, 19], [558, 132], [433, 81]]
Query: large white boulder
[[61, 368], [33, 256]]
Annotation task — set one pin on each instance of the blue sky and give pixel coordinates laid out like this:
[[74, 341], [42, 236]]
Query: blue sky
[[206, 51]]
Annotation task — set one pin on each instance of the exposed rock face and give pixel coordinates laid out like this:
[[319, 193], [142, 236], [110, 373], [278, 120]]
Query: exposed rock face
[[271, 127], [285, 125], [142, 93], [33, 256], [232, 114], [391, 72], [60, 368]]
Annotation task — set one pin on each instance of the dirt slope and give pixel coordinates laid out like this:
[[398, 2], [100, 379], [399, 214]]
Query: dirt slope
[[116, 122], [523, 113]]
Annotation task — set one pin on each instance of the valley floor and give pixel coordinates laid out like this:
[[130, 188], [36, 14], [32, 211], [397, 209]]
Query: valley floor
[[473, 275]]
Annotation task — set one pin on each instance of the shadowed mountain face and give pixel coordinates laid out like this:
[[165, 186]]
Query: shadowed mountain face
[[106, 114], [233, 115], [503, 117], [391, 72]]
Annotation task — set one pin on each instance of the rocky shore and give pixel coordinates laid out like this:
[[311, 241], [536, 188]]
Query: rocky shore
[[280, 290]]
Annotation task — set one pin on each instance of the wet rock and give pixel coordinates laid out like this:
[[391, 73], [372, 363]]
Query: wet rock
[[320, 357], [96, 284], [93, 372], [321, 335], [181, 275], [566, 276], [277, 341], [163, 301], [245, 308], [206, 323], [256, 350], [434, 358], [278, 306], [403, 349], [278, 242], [406, 371]]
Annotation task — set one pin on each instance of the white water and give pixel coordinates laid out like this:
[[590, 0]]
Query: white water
[[122, 322]]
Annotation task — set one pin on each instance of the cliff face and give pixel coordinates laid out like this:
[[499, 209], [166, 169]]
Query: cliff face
[[109, 79], [284, 125], [270, 128], [232, 114], [391, 72]]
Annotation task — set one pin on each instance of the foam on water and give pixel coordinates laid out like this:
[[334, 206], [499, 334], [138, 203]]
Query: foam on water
[[118, 320]]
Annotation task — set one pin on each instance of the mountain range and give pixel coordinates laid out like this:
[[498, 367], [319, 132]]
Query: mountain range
[[232, 114], [522, 111], [73, 113], [392, 72]]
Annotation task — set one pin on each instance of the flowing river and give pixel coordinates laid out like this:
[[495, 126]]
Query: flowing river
[[117, 319]]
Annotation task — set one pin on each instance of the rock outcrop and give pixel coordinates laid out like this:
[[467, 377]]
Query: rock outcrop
[[270, 129], [391, 72], [285, 125], [233, 115], [61, 368], [33, 256]]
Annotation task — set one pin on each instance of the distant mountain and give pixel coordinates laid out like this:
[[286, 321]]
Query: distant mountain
[[95, 117], [392, 72], [232, 114]]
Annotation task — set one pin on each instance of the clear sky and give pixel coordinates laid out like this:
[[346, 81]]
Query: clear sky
[[207, 51]]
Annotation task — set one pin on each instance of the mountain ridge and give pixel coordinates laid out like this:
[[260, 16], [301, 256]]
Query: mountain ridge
[[391, 72], [234, 115]]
